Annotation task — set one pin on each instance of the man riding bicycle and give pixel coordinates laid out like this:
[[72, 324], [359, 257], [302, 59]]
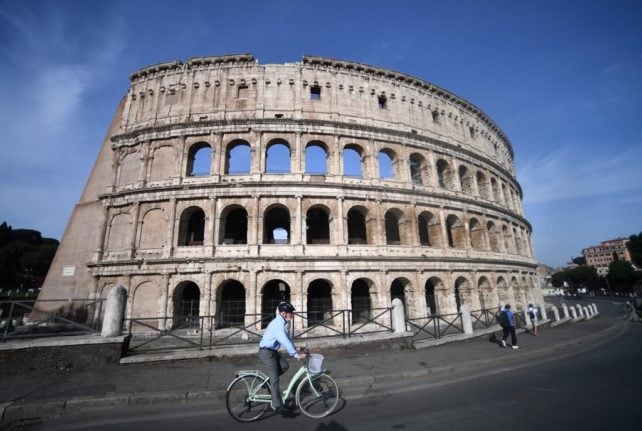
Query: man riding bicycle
[[275, 336]]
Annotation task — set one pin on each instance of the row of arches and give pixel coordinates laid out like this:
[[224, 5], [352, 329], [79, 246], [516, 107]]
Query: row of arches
[[428, 228], [419, 168], [233, 301]]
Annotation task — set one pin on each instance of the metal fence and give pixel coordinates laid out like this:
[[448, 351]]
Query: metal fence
[[436, 326], [42, 318]]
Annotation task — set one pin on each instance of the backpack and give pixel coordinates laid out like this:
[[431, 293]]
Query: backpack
[[531, 314], [502, 319]]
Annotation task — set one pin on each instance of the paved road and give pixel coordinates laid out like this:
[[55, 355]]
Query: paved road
[[592, 389]]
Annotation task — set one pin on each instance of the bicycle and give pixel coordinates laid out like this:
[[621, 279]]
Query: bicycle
[[248, 396]]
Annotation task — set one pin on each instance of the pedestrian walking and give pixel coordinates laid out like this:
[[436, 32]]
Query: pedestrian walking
[[532, 314], [507, 322]]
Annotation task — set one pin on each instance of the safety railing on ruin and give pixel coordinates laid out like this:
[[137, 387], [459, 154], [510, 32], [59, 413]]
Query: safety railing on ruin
[[436, 326], [34, 318], [484, 318], [149, 334]]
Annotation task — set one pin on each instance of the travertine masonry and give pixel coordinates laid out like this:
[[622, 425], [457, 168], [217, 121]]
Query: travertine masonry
[[389, 187]]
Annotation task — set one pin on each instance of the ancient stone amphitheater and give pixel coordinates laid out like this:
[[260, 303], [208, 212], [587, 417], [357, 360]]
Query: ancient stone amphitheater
[[225, 185]]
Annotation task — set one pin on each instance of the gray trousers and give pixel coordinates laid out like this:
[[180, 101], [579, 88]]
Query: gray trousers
[[275, 365]]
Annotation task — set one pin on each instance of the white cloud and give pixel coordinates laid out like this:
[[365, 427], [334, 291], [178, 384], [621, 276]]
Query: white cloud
[[574, 172]]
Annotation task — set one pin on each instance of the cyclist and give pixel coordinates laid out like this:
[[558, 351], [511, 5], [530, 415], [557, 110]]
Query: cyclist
[[275, 336]]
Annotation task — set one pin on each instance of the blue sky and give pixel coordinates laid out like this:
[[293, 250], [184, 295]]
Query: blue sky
[[563, 79]]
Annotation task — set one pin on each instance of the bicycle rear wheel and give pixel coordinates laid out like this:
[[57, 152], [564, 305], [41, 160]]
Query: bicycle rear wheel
[[238, 402], [317, 396]]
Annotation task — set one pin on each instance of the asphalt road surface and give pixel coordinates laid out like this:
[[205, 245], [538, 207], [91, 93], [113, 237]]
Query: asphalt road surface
[[595, 389]]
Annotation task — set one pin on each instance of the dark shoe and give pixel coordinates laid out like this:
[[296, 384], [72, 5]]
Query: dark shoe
[[285, 412]]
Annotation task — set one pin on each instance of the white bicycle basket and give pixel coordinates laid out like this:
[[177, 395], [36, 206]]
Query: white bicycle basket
[[316, 363]]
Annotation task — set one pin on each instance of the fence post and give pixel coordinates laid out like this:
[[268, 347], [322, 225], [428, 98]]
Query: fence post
[[398, 316], [114, 312], [466, 319]]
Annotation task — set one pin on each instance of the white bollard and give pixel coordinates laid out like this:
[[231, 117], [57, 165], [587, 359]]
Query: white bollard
[[556, 313], [565, 308], [466, 319], [114, 312], [579, 311], [398, 316], [542, 310], [573, 313]]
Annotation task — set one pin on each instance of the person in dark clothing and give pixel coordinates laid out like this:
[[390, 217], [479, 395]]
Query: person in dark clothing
[[510, 328]]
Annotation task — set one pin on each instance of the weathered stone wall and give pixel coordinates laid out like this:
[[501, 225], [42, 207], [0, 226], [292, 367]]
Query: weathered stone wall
[[452, 213]]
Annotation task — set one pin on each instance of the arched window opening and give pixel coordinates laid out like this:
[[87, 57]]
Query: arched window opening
[[484, 293], [507, 199], [186, 305], [456, 232], [508, 240], [518, 242], [277, 158], [319, 303], [199, 160], [231, 305], [233, 226], [398, 290], [192, 227], [393, 236], [361, 302], [477, 239], [424, 232], [483, 186], [352, 161], [316, 159], [385, 165], [466, 180], [461, 289], [431, 296], [317, 226], [495, 189], [274, 292], [357, 232], [276, 226], [494, 237], [444, 175], [418, 169], [502, 291], [238, 158]]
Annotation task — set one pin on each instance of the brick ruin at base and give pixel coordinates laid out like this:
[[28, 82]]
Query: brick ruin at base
[[225, 186]]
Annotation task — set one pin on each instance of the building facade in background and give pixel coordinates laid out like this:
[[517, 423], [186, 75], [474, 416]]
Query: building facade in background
[[225, 186], [601, 256]]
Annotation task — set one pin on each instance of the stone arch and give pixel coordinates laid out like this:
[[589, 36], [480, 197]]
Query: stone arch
[[273, 293], [199, 159], [231, 304], [395, 219], [456, 231], [119, 232], [432, 290], [276, 225], [319, 301], [316, 158], [144, 302], [317, 225], [495, 190], [508, 239], [388, 164], [278, 156], [186, 299], [191, 229], [402, 288], [233, 225], [462, 292], [503, 291], [477, 234], [514, 287], [486, 298], [466, 180], [153, 229], [483, 185], [419, 169], [361, 226], [163, 163], [361, 300], [353, 160], [238, 157], [129, 169], [445, 175], [494, 237]]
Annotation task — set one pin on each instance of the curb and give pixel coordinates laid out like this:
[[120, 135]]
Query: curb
[[13, 411]]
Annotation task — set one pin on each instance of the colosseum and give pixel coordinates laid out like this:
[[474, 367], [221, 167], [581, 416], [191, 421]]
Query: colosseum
[[225, 186]]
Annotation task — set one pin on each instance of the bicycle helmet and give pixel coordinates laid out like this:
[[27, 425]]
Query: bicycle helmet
[[286, 307]]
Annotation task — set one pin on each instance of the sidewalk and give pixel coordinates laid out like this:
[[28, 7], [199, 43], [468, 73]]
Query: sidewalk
[[40, 393]]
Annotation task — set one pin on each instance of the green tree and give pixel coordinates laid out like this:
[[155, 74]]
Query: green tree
[[621, 276], [579, 260], [558, 278]]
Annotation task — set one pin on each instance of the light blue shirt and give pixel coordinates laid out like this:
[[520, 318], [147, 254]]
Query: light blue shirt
[[276, 335]]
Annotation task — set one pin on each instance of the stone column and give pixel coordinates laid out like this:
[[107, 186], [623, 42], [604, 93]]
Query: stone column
[[579, 311], [398, 316], [114, 312], [573, 313], [556, 314], [466, 319], [565, 308]]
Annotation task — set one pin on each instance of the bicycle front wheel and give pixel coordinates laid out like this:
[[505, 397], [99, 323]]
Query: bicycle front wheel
[[317, 396], [242, 395]]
